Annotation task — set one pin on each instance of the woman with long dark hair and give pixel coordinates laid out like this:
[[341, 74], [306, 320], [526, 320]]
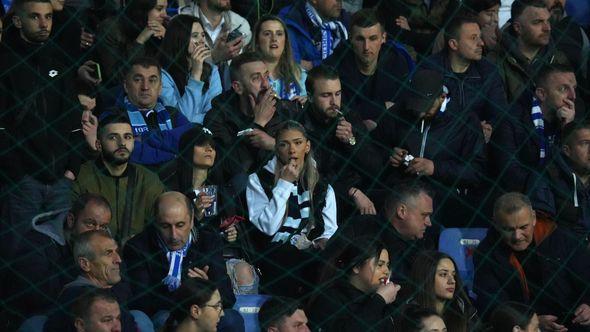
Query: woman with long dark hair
[[436, 285], [189, 80], [271, 40], [514, 316], [137, 31], [417, 319], [198, 307], [294, 211], [355, 289]]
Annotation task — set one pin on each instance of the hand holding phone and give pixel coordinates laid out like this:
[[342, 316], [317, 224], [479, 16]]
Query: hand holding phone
[[234, 34]]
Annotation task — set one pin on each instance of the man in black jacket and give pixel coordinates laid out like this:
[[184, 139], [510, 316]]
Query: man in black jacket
[[425, 139], [341, 145], [372, 72], [528, 259], [173, 239], [244, 119], [38, 114]]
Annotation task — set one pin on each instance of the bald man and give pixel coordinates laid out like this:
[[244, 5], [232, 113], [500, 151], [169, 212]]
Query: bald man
[[171, 249]]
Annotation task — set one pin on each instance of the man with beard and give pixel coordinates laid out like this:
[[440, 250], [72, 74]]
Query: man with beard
[[218, 22], [344, 154], [38, 113], [524, 140], [244, 119], [526, 46], [371, 70], [563, 189], [130, 189]]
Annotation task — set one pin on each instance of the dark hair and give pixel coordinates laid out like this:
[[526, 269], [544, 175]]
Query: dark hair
[[135, 17], [518, 6], [353, 253], [192, 291], [365, 18], [237, 62], [475, 7], [571, 128], [111, 118], [412, 316], [288, 70], [17, 6], [403, 194], [81, 307], [145, 62], [547, 70], [274, 311], [86, 198], [319, 72], [174, 51], [510, 314], [196, 136], [453, 29], [422, 285]]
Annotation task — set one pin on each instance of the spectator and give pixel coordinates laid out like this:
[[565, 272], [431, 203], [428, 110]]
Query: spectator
[[372, 71], [250, 105], [294, 211], [98, 260], [524, 140], [286, 76], [486, 13], [357, 291], [173, 241], [474, 83], [39, 114], [198, 307], [46, 260], [70, 22], [436, 285], [415, 23], [563, 189], [527, 258], [219, 21], [334, 132], [129, 188], [513, 315], [447, 147], [414, 318], [401, 227], [316, 28], [525, 47], [189, 81], [281, 314], [195, 169], [136, 32], [97, 311], [156, 128]]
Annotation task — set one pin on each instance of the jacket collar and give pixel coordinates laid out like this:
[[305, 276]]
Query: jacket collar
[[99, 163]]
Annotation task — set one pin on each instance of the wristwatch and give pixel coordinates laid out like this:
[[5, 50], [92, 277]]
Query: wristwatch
[[352, 140]]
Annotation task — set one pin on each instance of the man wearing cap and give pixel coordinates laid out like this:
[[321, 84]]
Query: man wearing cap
[[422, 139]]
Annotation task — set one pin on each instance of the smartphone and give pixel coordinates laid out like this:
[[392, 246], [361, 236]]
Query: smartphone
[[97, 74], [234, 34]]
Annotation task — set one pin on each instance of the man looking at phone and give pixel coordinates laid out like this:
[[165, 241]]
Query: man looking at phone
[[171, 249], [244, 119]]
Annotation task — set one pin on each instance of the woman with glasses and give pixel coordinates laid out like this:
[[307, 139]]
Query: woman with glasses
[[198, 307]]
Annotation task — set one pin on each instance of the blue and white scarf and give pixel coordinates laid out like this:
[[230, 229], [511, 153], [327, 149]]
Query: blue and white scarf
[[285, 93], [172, 280], [539, 123], [332, 31], [137, 117]]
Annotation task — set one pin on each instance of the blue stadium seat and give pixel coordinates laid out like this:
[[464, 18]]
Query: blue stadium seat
[[248, 306], [460, 243]]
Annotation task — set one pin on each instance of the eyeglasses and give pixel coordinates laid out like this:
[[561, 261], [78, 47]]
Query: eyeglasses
[[218, 306]]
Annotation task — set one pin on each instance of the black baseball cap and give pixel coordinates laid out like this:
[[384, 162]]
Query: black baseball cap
[[424, 87]]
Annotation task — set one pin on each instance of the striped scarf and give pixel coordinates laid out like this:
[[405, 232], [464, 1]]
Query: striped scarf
[[537, 117], [332, 31], [295, 227], [158, 116], [172, 280]]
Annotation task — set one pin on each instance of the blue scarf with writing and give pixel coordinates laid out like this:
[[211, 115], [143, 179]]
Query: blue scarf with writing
[[159, 115], [332, 31]]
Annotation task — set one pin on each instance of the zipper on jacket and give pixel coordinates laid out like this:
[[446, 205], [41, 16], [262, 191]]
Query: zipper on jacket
[[424, 138]]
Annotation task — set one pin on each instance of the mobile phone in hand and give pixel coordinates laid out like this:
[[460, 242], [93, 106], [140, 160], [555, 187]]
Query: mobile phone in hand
[[234, 34], [97, 74]]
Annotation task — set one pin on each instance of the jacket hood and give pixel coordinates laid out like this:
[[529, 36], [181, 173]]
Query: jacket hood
[[80, 282], [52, 224]]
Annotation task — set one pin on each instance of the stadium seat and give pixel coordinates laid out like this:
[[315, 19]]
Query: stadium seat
[[459, 243]]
